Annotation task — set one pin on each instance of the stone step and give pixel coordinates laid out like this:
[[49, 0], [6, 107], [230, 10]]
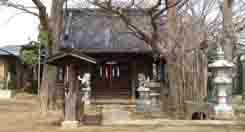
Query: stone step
[[92, 120], [116, 113]]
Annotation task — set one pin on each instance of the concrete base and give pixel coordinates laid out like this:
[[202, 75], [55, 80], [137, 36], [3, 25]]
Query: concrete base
[[223, 112], [114, 114], [6, 94], [200, 107], [224, 116], [143, 105], [69, 124]]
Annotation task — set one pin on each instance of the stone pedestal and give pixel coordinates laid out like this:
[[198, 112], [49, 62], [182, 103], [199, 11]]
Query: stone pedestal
[[222, 108], [143, 103], [69, 124], [6, 94], [154, 96], [86, 95], [155, 102], [221, 114]]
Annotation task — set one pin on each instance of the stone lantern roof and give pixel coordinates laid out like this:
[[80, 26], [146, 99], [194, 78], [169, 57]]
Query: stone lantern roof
[[222, 80], [220, 62]]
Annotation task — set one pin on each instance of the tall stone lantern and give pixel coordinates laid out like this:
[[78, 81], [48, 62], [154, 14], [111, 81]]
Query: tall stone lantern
[[222, 81]]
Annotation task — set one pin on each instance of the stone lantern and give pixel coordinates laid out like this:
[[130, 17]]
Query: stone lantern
[[222, 87]]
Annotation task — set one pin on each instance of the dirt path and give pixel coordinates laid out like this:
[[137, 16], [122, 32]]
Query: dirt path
[[22, 115]]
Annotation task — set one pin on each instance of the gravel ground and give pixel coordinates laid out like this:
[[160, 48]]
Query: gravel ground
[[21, 114]]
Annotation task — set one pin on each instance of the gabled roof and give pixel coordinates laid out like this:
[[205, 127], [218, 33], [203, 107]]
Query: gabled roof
[[69, 56], [93, 31]]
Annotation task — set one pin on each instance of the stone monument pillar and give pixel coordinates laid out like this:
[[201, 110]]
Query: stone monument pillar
[[222, 81]]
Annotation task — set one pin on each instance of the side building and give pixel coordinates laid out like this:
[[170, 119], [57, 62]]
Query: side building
[[11, 68]]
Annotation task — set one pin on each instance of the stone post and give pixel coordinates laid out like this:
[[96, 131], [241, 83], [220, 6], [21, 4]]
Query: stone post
[[222, 81], [242, 59]]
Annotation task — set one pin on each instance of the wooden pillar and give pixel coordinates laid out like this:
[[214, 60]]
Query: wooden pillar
[[6, 69], [71, 97], [164, 87], [19, 72], [2, 69], [133, 79]]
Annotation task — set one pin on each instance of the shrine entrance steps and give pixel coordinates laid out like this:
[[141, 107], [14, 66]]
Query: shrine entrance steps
[[105, 112]]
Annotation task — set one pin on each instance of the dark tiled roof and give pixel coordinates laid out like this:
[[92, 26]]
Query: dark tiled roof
[[10, 50], [138, 4], [91, 31], [4, 52]]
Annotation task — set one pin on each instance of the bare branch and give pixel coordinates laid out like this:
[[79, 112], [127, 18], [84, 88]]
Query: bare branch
[[21, 7], [179, 3], [42, 14], [12, 16]]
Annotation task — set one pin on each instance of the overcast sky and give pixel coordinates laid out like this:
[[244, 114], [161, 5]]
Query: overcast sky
[[16, 27]]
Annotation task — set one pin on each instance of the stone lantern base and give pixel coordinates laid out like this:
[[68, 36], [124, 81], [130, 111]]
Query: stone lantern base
[[69, 124], [155, 102], [223, 112], [224, 116], [143, 104]]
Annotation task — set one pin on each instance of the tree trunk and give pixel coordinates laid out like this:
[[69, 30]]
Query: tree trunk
[[44, 93], [52, 26], [56, 28], [72, 96], [228, 43]]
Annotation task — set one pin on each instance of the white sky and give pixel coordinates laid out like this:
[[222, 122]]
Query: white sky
[[21, 28], [17, 28]]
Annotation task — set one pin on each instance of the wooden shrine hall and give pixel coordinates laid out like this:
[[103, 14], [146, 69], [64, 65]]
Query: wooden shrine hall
[[109, 53]]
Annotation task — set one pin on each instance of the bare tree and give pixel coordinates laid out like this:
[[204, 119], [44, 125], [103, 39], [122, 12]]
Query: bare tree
[[179, 31]]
